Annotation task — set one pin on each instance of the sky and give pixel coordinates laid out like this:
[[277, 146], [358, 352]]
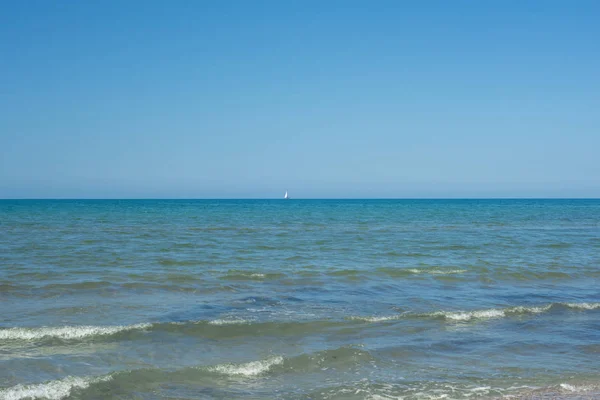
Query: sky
[[325, 99]]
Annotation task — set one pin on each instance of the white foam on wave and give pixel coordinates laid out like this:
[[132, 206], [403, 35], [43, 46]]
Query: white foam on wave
[[490, 313], [568, 387], [528, 310], [229, 322], [480, 314], [437, 271], [376, 318], [248, 369], [581, 388], [53, 390], [466, 316], [66, 332], [583, 306], [560, 391]]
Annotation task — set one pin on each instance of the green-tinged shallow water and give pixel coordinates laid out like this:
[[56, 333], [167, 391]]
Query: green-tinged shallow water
[[299, 299]]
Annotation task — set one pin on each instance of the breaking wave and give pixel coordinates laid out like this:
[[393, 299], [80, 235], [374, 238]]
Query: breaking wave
[[66, 332], [479, 314], [235, 327], [406, 272], [62, 388], [252, 368], [229, 322], [53, 390], [345, 357]]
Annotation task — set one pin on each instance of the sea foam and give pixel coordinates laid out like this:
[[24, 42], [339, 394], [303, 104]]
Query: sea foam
[[53, 390], [66, 332], [437, 271], [376, 318], [584, 306], [491, 313], [466, 316], [248, 369], [229, 322]]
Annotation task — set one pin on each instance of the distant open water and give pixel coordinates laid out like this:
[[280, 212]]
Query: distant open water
[[300, 299]]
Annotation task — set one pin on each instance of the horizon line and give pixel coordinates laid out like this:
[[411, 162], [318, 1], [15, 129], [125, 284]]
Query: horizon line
[[295, 198]]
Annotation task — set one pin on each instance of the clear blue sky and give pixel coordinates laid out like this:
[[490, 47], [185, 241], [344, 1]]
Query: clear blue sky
[[323, 98]]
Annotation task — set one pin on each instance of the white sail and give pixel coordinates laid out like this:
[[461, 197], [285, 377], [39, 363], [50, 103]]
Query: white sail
[[286, 195]]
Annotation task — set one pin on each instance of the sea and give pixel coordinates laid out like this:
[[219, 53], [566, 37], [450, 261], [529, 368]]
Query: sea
[[299, 299]]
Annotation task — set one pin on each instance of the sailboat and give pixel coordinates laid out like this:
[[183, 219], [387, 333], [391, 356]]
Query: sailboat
[[285, 196]]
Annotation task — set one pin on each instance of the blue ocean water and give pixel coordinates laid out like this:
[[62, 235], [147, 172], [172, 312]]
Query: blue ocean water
[[299, 299]]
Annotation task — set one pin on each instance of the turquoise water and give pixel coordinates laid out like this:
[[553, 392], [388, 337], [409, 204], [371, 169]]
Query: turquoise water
[[300, 299]]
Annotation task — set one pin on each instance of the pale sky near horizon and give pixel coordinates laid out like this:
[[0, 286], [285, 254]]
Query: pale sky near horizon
[[327, 99]]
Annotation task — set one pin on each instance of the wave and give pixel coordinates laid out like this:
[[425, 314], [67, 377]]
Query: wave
[[578, 388], [247, 275], [141, 380], [229, 322], [398, 272], [340, 358], [252, 368], [346, 356], [53, 390], [479, 314], [559, 391], [382, 318], [214, 329], [437, 271], [238, 327], [66, 332], [583, 306], [343, 358], [432, 390], [402, 272], [504, 312], [517, 274]]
